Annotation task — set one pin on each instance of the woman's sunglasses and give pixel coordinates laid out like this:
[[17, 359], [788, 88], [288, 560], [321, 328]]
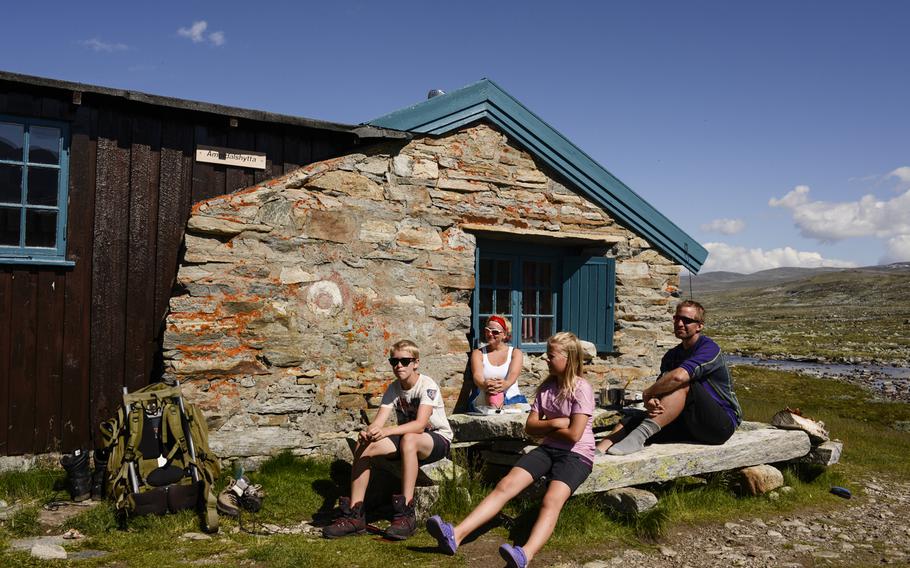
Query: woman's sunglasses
[[405, 361]]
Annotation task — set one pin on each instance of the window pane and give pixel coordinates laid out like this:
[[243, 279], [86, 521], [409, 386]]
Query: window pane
[[528, 301], [486, 300], [546, 302], [545, 327], [42, 186], [503, 305], [503, 273], [44, 145], [40, 229], [9, 226], [527, 330], [11, 136], [545, 279], [10, 184], [486, 272], [529, 271]]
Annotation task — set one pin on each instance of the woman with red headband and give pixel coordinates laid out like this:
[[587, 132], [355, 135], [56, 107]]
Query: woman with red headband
[[495, 367]]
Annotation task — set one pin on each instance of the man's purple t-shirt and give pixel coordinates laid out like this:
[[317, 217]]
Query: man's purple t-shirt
[[547, 405]]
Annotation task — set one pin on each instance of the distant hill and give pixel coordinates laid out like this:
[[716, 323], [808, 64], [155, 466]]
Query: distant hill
[[838, 314], [722, 281]]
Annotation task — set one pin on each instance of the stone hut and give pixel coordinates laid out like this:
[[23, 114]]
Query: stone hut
[[292, 290]]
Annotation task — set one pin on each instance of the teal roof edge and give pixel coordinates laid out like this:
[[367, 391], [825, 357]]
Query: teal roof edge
[[487, 100]]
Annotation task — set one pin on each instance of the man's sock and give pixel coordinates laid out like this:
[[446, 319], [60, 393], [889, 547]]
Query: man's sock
[[636, 439]]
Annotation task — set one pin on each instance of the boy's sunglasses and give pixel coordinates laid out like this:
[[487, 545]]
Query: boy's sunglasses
[[405, 361]]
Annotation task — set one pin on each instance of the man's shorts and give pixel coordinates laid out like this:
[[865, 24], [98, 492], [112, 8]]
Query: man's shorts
[[440, 448], [703, 421], [557, 464]]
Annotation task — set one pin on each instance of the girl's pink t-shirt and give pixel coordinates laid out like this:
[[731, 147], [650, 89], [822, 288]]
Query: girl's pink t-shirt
[[547, 405]]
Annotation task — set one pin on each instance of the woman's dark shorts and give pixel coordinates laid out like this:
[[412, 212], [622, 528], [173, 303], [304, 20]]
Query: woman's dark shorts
[[440, 448], [557, 464]]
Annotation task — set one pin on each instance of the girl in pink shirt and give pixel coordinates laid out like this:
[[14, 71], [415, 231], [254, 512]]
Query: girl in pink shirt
[[562, 414]]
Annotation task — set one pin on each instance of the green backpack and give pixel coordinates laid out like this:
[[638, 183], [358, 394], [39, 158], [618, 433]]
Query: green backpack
[[160, 460]]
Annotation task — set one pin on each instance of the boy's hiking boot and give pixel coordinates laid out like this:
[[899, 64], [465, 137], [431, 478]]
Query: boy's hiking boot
[[404, 521], [240, 493], [350, 521], [78, 475]]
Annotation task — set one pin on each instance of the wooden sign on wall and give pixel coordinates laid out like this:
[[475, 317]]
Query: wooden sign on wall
[[229, 157]]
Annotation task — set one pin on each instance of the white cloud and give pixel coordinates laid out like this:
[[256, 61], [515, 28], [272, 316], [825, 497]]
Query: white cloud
[[197, 34], [829, 221], [722, 256], [217, 38], [897, 250], [724, 226], [99, 46], [902, 173]]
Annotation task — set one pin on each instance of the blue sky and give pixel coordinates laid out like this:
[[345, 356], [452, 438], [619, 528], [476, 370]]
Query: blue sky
[[777, 133]]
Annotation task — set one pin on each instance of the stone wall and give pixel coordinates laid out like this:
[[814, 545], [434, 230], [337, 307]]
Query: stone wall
[[295, 288]]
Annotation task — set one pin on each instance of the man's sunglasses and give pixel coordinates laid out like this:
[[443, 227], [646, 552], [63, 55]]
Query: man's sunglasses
[[685, 320], [405, 361]]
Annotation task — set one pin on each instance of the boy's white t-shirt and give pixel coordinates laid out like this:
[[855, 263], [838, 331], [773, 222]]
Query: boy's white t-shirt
[[406, 403]]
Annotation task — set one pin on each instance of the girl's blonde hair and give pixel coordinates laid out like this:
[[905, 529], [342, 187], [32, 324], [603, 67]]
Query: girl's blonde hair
[[570, 346]]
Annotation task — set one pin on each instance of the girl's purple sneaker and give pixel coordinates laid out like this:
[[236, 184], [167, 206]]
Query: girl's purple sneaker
[[443, 533], [513, 555]]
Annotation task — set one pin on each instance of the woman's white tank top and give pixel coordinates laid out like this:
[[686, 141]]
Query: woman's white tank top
[[491, 371]]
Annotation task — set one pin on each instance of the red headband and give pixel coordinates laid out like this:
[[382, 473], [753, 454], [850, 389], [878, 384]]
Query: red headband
[[500, 321]]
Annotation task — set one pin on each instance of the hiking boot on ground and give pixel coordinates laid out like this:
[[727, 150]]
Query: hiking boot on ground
[[99, 476], [404, 521], [240, 493], [78, 475], [350, 521]]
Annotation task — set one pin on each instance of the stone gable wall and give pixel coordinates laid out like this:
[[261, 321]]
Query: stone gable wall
[[295, 288]]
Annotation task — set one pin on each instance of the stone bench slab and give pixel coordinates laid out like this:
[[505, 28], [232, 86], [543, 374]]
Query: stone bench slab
[[473, 427], [752, 445]]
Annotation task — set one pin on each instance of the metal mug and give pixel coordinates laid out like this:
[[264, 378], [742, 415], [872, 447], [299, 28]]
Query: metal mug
[[616, 396]]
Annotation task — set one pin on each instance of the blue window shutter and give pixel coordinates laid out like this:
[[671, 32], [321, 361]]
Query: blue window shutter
[[588, 292]]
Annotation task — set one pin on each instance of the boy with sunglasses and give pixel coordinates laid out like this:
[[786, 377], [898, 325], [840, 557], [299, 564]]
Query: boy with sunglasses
[[692, 399], [422, 436]]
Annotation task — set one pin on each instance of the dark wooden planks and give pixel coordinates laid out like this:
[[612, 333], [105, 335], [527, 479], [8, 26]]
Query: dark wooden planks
[[76, 372], [272, 143], [6, 307], [297, 152], [21, 432], [109, 266], [175, 181], [240, 178], [48, 348], [208, 179], [140, 280]]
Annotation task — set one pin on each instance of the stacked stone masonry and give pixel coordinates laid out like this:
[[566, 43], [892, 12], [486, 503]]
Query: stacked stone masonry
[[292, 290]]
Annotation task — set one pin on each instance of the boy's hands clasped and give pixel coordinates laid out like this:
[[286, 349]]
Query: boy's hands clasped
[[372, 434]]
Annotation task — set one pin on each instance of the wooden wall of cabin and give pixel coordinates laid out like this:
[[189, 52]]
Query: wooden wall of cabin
[[72, 338]]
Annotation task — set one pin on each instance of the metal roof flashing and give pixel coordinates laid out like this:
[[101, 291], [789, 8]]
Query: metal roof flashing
[[485, 100]]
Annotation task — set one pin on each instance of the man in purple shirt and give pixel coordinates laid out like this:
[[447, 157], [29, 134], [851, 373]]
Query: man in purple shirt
[[692, 400]]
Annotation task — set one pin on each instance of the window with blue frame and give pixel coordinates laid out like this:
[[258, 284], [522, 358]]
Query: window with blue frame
[[544, 289], [33, 182]]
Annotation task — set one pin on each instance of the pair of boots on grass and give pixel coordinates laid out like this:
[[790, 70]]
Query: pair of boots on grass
[[81, 481], [351, 519]]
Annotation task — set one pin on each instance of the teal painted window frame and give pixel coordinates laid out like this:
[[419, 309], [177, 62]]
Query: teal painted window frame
[[562, 271], [22, 254]]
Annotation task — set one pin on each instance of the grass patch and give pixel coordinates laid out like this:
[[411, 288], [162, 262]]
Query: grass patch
[[871, 443]]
